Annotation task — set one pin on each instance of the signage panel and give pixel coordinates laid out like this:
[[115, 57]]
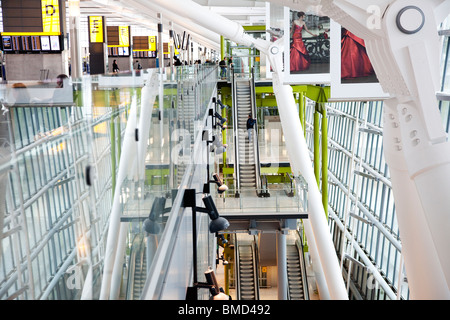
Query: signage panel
[[152, 43], [50, 17], [124, 36], [96, 29]]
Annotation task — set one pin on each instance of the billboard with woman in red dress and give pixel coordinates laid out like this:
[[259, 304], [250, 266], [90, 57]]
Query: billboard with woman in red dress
[[355, 63], [354, 77], [309, 43]]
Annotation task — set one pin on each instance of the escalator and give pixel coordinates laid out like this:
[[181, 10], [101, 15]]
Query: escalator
[[296, 271], [185, 126], [247, 164], [137, 268], [247, 283], [248, 256]]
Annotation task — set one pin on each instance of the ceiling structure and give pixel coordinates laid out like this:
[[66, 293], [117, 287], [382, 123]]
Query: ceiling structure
[[144, 15]]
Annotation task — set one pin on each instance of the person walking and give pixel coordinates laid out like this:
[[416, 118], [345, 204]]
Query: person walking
[[115, 67], [137, 65], [177, 62]]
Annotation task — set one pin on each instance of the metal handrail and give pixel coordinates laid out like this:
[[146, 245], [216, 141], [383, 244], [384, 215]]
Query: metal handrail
[[236, 268], [299, 244], [235, 129], [131, 266], [255, 267], [255, 140]]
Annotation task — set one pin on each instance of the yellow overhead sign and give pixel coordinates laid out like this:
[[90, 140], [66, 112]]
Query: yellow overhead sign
[[152, 43], [50, 17], [124, 36], [96, 28]]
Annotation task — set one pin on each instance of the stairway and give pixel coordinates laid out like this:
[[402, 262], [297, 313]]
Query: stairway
[[247, 277], [294, 274], [246, 155]]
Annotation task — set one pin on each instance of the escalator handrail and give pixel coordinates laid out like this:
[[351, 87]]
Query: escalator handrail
[[235, 130], [131, 266], [299, 244], [255, 140], [236, 268], [255, 267]]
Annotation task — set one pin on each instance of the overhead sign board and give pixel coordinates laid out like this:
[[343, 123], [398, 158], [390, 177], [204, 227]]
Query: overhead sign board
[[96, 33], [124, 36], [50, 17], [31, 18], [152, 43]]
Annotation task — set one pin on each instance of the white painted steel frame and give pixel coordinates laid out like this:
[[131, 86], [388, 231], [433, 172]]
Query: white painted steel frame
[[295, 141]]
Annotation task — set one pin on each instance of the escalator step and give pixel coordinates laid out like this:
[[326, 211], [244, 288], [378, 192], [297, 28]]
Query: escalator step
[[299, 292], [247, 282], [247, 290], [246, 273], [293, 268]]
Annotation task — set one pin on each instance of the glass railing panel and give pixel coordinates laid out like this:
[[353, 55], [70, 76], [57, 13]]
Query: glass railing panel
[[46, 205], [64, 170], [283, 198], [185, 109], [179, 219], [175, 115]]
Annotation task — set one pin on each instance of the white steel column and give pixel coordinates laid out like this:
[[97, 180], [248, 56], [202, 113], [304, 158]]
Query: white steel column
[[293, 132], [126, 160], [322, 287], [74, 38], [116, 277], [423, 270], [301, 165], [282, 264]]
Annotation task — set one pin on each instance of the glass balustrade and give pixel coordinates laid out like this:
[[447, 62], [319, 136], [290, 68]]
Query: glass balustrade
[[61, 153], [282, 198]]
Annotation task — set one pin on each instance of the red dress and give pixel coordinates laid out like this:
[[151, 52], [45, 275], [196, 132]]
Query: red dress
[[300, 59], [354, 59]]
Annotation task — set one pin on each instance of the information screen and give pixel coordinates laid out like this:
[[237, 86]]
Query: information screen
[[31, 44], [35, 43], [45, 43], [6, 43], [54, 43]]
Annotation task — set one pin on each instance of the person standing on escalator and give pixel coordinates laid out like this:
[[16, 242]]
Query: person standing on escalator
[[250, 127]]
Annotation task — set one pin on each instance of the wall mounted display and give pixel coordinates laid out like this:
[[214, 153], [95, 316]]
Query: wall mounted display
[[54, 43], [26, 24], [119, 40], [45, 43], [144, 46], [31, 44], [307, 36], [354, 77]]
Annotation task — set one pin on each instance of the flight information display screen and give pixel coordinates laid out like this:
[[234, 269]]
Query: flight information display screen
[[31, 44]]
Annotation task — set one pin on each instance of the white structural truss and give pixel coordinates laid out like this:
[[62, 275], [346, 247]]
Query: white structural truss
[[403, 44]]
